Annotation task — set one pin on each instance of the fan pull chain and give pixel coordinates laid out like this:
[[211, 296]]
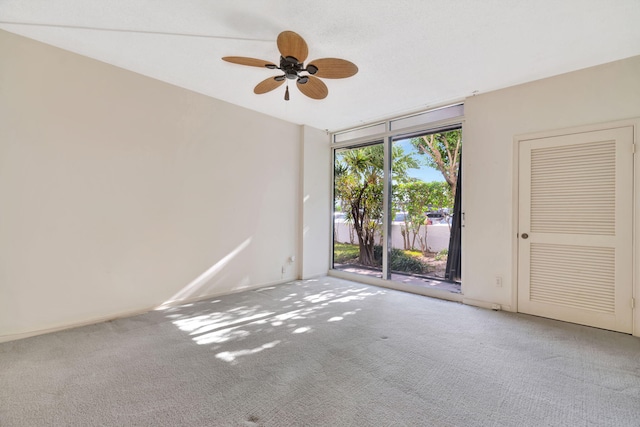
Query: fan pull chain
[[286, 93]]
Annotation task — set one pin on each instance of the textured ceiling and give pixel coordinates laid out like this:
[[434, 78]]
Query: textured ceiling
[[412, 54]]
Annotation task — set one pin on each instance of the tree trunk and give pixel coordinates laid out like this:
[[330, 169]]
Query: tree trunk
[[449, 169], [405, 236], [425, 248], [366, 254], [365, 245], [365, 240], [413, 243]]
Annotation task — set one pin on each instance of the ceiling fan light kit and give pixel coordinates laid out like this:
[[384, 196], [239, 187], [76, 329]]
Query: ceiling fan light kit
[[293, 52]]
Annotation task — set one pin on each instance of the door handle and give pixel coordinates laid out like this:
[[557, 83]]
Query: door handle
[[525, 236]]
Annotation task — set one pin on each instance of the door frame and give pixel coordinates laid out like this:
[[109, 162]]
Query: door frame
[[635, 123]]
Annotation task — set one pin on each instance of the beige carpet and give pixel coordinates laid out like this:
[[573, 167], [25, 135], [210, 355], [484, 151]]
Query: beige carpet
[[324, 352]]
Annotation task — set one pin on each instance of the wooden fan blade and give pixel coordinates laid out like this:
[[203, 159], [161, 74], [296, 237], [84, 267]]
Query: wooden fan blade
[[291, 44], [252, 62], [267, 85], [334, 68], [314, 88]]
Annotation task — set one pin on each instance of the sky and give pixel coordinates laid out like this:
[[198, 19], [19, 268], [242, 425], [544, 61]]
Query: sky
[[425, 173]]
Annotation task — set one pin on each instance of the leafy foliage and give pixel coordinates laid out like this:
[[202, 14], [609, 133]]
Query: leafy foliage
[[442, 152], [402, 261], [442, 255], [359, 181], [415, 198], [359, 174]]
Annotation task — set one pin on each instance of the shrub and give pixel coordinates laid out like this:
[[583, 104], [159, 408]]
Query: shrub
[[442, 254], [402, 261]]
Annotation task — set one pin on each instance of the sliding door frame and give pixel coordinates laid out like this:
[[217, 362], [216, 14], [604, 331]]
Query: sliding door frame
[[386, 132]]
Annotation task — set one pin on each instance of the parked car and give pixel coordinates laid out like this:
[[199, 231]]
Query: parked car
[[400, 216], [438, 217]]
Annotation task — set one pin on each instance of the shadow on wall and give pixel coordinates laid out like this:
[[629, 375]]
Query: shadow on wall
[[278, 318]]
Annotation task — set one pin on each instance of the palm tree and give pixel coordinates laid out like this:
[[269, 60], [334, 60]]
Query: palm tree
[[359, 175]]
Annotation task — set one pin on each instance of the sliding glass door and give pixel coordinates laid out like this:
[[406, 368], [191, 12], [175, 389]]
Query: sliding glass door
[[394, 210], [425, 173], [358, 209]]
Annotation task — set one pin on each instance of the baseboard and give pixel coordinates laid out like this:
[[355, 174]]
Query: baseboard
[[62, 327], [314, 276], [174, 303], [119, 315], [486, 304]]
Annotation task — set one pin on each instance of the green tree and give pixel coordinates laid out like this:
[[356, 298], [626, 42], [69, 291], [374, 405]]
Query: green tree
[[443, 153], [359, 175], [415, 198]]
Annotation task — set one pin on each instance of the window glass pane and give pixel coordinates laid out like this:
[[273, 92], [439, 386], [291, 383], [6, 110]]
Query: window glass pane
[[424, 166], [427, 117], [358, 210], [359, 133], [424, 177]]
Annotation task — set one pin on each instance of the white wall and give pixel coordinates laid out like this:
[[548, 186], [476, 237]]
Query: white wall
[[316, 202], [437, 235], [600, 94], [119, 192]]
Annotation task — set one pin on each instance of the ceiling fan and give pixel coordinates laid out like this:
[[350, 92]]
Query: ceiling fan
[[293, 52]]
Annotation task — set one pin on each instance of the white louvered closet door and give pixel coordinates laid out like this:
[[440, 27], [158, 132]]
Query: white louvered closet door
[[575, 253]]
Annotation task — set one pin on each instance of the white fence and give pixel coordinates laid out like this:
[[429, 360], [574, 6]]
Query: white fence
[[437, 235]]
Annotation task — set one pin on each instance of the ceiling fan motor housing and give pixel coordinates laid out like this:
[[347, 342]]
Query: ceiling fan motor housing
[[290, 66]]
